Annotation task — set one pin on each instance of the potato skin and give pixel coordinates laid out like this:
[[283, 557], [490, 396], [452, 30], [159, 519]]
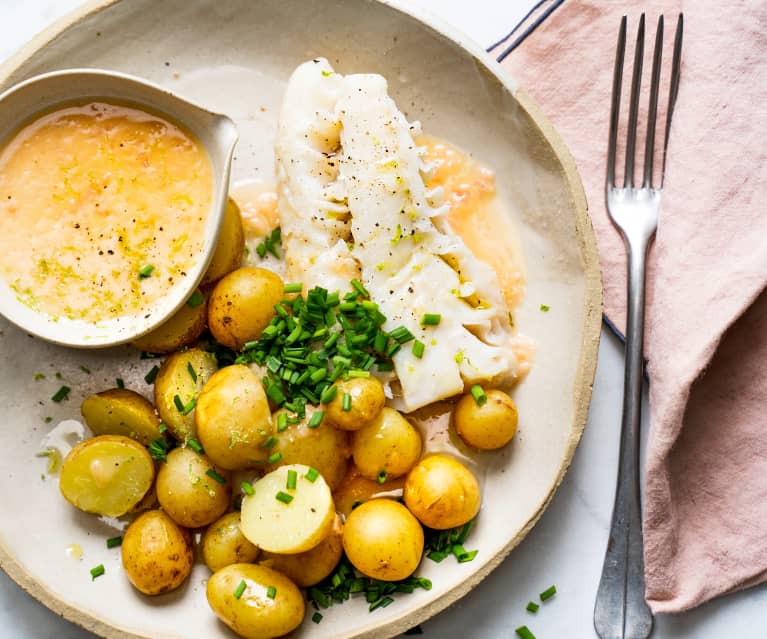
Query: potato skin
[[242, 304], [119, 411], [390, 444], [441, 492], [174, 379], [487, 427], [323, 448], [187, 493], [383, 540], [181, 329], [233, 418], [223, 544], [254, 615], [156, 553], [368, 399], [231, 241], [308, 568], [356, 489]]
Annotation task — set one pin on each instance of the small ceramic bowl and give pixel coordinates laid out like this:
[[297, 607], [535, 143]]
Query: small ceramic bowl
[[217, 134]]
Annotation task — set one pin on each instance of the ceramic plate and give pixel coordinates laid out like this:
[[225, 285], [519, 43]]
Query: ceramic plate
[[235, 57]]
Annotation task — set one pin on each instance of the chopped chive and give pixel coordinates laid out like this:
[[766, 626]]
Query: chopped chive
[[191, 371], [179, 404], [523, 632], [478, 394], [38, 376], [466, 556], [158, 449], [282, 422], [293, 288], [545, 308], [240, 589], [195, 446], [215, 476], [357, 286], [316, 419], [247, 488], [316, 617], [418, 348], [346, 402], [120, 383], [275, 457], [271, 442], [195, 299], [190, 406], [356, 373], [113, 542], [532, 607], [145, 271], [382, 476], [384, 367], [312, 474], [97, 571], [271, 592], [161, 428], [85, 369], [152, 375], [381, 603], [292, 480], [548, 593], [61, 394], [436, 555], [283, 497], [48, 420], [431, 319], [401, 335], [329, 394]]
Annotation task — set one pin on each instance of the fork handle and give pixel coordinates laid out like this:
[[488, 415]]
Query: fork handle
[[620, 611]]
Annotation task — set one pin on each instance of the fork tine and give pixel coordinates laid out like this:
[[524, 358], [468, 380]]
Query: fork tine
[[652, 111], [636, 84], [616, 104], [674, 90]]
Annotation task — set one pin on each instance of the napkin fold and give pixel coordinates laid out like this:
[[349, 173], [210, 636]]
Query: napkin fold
[[705, 504]]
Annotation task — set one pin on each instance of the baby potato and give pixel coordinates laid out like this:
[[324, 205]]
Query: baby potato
[[390, 445], [489, 426], [308, 568], [175, 379], [107, 475], [323, 447], [119, 411], [233, 419], [223, 544], [367, 400], [286, 520], [231, 241], [255, 615], [190, 488], [356, 489], [441, 492], [242, 304], [156, 553], [183, 328], [383, 540]]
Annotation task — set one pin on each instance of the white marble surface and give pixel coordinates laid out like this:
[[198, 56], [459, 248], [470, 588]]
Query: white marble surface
[[567, 545]]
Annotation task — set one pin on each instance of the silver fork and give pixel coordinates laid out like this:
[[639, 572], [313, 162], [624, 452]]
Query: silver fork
[[621, 611]]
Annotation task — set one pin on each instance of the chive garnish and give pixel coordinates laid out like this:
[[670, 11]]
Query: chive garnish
[[292, 480], [329, 394], [195, 299], [271, 592], [418, 348], [61, 394], [270, 442], [113, 542], [151, 375], [532, 607], [431, 319], [382, 476], [158, 449], [97, 571], [195, 446], [283, 497], [545, 308], [247, 488], [346, 402], [357, 286], [145, 271], [312, 474], [215, 476], [282, 422], [478, 394], [191, 371], [316, 419], [381, 603], [120, 383], [317, 617], [38, 376], [179, 404], [240, 589], [355, 373], [548, 593], [523, 632], [275, 457], [85, 369], [401, 335], [161, 428], [293, 288]]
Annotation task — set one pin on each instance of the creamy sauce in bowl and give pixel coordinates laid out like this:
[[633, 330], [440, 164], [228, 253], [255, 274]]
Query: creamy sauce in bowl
[[103, 209]]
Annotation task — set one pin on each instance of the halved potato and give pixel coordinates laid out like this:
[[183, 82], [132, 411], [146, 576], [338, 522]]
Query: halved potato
[[107, 475], [287, 521], [183, 328], [231, 241], [176, 379], [119, 411]]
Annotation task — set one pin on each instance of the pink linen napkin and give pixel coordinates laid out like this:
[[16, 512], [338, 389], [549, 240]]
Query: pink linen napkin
[[705, 507]]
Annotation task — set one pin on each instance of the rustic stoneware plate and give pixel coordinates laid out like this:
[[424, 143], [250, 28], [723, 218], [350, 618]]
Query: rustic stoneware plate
[[235, 57]]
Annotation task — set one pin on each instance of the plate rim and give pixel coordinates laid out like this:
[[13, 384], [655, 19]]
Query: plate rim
[[586, 366]]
